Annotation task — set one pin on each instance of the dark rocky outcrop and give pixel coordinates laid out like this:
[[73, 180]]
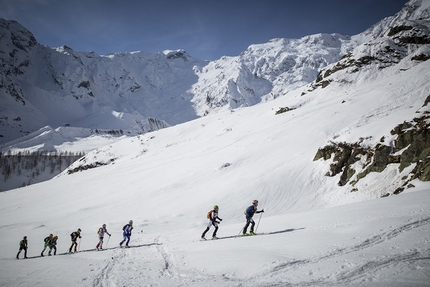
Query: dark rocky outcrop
[[411, 146]]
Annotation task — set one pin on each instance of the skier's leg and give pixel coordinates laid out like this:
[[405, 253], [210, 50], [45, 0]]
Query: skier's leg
[[252, 225], [246, 225], [123, 240], [204, 232], [216, 229], [17, 255]]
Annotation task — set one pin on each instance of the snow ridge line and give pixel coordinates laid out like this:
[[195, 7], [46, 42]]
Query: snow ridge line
[[372, 241]]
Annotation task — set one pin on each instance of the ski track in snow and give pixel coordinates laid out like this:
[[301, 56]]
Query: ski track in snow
[[359, 273], [121, 271]]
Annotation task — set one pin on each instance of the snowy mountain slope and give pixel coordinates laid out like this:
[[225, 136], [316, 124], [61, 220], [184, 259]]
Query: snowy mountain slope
[[116, 92], [133, 93], [167, 180], [320, 233], [43, 86]]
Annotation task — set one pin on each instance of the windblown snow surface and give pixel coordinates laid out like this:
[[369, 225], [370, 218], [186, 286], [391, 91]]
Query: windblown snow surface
[[316, 233]]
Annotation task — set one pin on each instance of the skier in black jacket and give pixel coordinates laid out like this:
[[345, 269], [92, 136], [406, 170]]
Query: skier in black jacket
[[23, 245], [74, 236]]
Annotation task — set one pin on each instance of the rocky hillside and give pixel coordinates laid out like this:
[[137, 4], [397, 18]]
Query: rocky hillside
[[397, 44]]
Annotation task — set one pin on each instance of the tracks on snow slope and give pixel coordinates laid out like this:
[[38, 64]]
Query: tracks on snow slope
[[160, 266], [361, 271]]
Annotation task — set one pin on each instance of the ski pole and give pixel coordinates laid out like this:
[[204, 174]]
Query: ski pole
[[261, 213], [79, 245], [107, 241]]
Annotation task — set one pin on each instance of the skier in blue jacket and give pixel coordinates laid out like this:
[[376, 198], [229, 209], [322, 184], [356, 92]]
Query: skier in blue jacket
[[127, 233], [249, 213]]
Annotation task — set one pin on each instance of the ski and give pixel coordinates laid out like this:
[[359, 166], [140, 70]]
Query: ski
[[256, 234], [88, 250], [235, 236]]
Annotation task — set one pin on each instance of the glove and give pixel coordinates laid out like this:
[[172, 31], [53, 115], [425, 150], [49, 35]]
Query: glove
[[262, 210], [218, 222], [220, 219]]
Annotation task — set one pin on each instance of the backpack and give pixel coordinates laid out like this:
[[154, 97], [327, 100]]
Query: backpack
[[209, 214], [98, 231], [72, 235], [46, 240], [244, 212], [125, 226]]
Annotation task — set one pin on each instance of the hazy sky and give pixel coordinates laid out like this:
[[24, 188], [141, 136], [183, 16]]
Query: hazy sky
[[205, 29]]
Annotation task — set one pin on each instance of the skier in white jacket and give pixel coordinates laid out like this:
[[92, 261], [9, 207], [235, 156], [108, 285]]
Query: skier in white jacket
[[101, 233]]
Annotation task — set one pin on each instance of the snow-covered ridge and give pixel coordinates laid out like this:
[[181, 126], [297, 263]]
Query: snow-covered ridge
[[141, 92], [44, 86]]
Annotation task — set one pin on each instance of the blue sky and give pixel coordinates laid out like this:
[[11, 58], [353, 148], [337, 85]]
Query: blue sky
[[205, 29]]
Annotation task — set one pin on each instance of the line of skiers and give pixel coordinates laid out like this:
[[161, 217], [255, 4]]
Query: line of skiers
[[51, 240], [214, 220], [212, 216]]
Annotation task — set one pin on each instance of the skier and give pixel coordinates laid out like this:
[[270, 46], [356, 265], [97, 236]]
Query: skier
[[101, 232], [53, 245], [249, 213], [74, 236], [23, 245], [212, 220], [47, 242], [127, 233]]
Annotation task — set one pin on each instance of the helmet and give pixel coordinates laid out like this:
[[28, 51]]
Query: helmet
[[25, 237], [130, 222], [216, 207], [50, 235], [255, 202], [104, 225], [79, 230], [56, 237]]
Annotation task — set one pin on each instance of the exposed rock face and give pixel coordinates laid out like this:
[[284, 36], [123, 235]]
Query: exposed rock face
[[393, 39], [411, 146]]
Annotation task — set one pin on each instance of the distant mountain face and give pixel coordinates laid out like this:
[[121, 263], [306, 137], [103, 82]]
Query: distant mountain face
[[139, 92], [53, 98], [402, 39], [42, 86]]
